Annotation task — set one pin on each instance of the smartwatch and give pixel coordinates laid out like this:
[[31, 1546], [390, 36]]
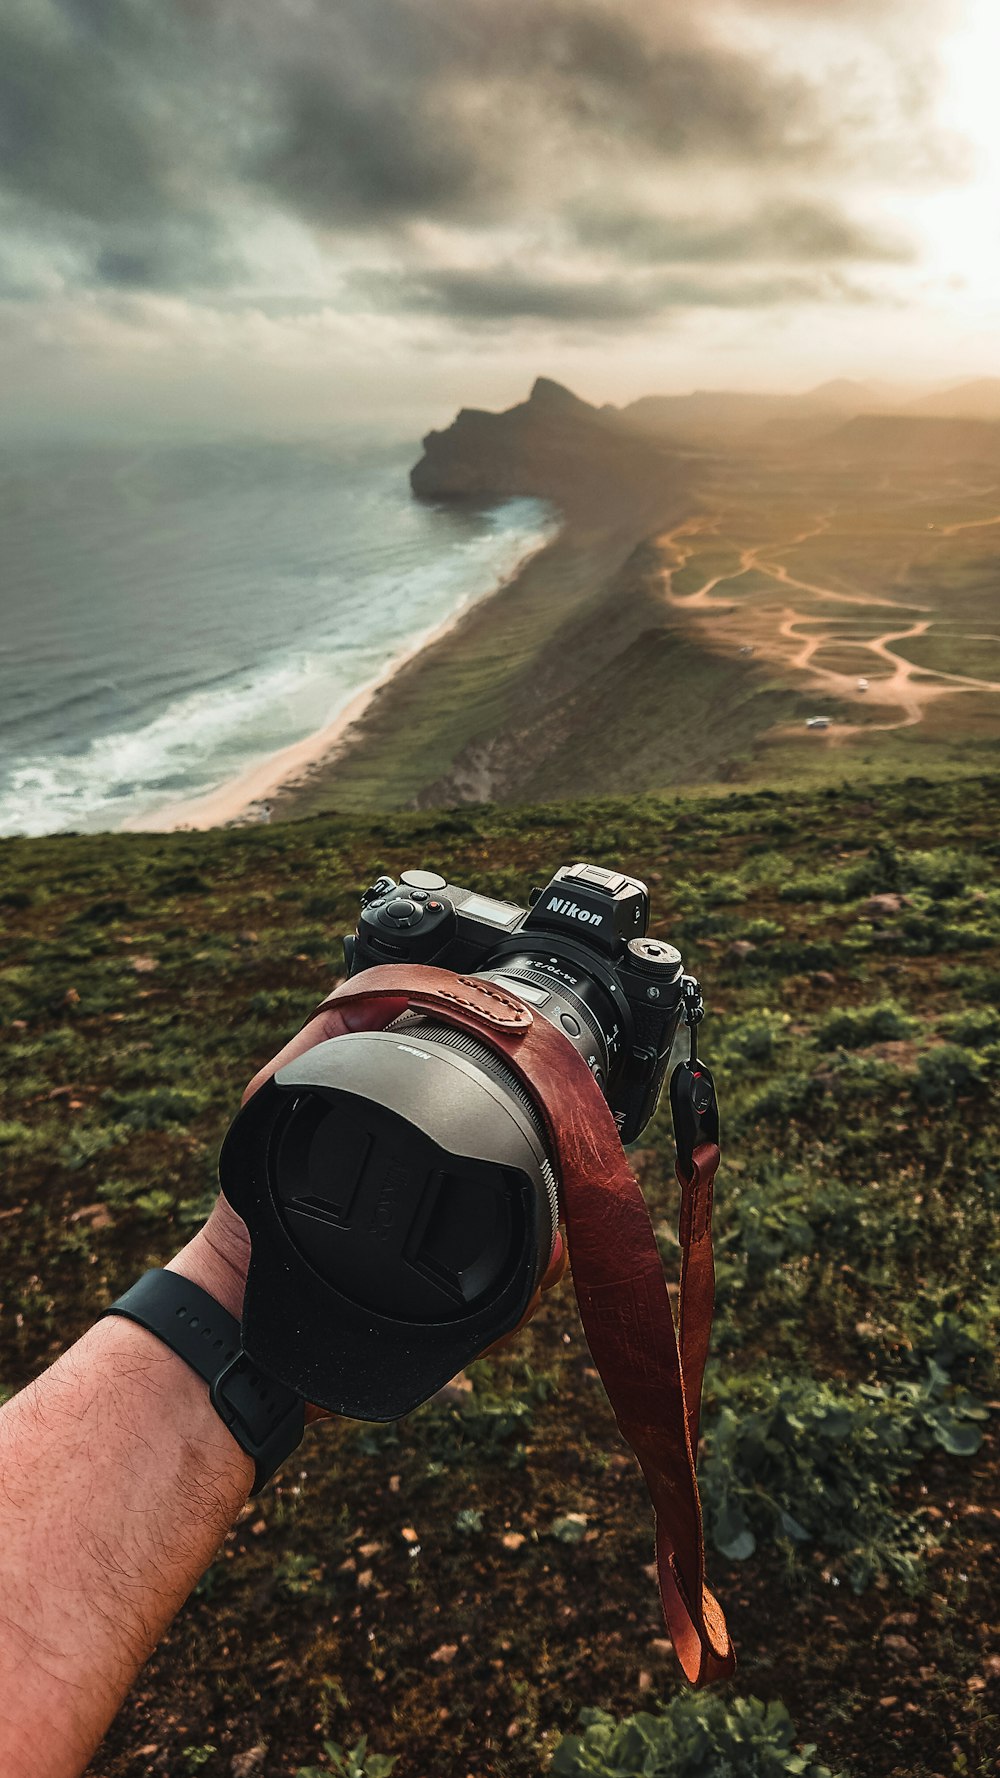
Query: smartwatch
[[265, 1417]]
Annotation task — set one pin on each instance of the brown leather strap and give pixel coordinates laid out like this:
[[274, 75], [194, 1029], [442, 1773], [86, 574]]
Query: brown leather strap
[[653, 1381]]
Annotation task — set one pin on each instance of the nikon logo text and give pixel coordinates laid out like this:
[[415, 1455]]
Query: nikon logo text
[[572, 912]]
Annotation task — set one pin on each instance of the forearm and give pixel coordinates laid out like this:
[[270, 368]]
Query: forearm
[[118, 1481]]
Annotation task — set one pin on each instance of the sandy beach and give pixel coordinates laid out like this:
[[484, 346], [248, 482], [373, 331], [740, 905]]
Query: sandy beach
[[453, 716], [247, 796]]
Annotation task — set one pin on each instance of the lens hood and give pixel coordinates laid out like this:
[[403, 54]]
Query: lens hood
[[401, 1206]]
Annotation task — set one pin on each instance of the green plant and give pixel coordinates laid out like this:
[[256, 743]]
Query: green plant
[[469, 1521], [692, 1737], [297, 1575], [351, 1762], [855, 1027], [801, 1461]]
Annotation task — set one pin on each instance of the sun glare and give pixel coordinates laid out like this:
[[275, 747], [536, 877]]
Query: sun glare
[[962, 223]]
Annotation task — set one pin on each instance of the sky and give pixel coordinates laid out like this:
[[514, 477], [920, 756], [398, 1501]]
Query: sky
[[283, 215]]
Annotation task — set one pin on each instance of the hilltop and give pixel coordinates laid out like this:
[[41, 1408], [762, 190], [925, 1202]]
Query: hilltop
[[922, 440], [975, 400], [459, 1585]]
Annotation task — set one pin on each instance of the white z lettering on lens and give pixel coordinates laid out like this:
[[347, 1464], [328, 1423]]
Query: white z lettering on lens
[[572, 912]]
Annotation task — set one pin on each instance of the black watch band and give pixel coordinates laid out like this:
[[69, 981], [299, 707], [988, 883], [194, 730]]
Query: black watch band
[[265, 1417]]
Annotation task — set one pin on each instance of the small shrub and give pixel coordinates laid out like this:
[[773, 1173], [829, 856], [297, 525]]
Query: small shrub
[[158, 1107], [351, 1762], [760, 931], [103, 913], [15, 1135], [853, 1028], [824, 886], [974, 1029], [800, 1460], [297, 1575], [946, 1072], [88, 1143], [692, 1737], [469, 1521]]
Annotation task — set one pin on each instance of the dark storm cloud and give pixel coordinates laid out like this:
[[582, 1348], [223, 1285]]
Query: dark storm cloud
[[500, 293], [443, 114], [137, 137], [109, 141], [71, 138], [815, 233], [363, 158]]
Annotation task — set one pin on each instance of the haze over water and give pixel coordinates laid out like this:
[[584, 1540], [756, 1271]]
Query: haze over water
[[172, 613]]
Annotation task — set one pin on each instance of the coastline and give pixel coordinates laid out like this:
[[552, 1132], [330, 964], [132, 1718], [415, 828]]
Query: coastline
[[246, 797], [473, 703]]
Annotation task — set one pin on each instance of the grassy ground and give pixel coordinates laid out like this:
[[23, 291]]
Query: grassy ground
[[459, 1586]]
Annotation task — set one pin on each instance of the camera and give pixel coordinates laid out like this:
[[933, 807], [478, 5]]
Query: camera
[[399, 1183], [579, 955]]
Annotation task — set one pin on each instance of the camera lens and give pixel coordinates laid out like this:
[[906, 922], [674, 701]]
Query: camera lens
[[580, 1005]]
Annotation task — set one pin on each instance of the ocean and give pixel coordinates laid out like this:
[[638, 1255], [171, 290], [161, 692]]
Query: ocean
[[172, 614]]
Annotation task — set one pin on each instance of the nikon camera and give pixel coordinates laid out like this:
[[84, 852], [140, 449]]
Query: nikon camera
[[398, 1184], [579, 956]]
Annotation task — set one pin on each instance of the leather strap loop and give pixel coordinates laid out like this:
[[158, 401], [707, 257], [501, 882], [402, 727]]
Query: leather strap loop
[[653, 1379]]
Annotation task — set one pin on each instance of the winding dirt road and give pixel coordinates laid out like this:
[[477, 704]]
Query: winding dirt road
[[792, 638]]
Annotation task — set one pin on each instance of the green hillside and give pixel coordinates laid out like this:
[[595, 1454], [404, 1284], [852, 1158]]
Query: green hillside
[[460, 1586], [697, 608]]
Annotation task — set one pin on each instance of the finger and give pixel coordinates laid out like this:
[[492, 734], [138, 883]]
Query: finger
[[556, 1268], [330, 1021]]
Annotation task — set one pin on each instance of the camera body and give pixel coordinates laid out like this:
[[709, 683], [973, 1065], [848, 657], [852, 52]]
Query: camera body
[[578, 955], [400, 1181]]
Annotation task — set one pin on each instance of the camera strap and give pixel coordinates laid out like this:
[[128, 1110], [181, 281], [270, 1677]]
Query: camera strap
[[651, 1368]]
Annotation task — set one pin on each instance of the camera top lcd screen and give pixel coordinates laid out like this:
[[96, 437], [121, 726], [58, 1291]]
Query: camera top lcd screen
[[498, 913]]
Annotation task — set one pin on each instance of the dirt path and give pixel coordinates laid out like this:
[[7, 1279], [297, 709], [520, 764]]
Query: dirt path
[[967, 525], [898, 683]]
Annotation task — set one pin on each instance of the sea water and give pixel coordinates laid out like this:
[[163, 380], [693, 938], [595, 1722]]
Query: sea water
[[172, 614]]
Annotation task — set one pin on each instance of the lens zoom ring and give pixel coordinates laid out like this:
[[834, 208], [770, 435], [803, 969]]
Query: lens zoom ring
[[492, 1065]]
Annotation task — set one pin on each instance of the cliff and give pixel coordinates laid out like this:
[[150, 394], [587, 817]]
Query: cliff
[[551, 446]]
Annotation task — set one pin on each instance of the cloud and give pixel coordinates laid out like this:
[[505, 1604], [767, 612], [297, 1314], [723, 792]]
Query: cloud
[[782, 231], [397, 112], [473, 162], [500, 294], [364, 157], [72, 140]]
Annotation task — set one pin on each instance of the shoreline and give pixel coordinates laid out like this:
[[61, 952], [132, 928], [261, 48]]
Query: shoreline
[[473, 700], [245, 797]]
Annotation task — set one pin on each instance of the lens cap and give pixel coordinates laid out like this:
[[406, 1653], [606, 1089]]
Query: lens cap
[[401, 1210], [382, 1214]]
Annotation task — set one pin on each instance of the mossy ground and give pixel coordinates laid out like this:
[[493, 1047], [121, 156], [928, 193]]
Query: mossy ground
[[461, 1585]]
